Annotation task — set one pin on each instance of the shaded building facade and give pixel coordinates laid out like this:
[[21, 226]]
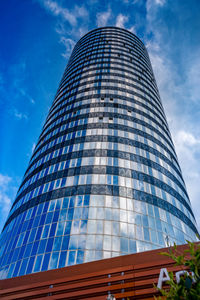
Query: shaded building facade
[[104, 179]]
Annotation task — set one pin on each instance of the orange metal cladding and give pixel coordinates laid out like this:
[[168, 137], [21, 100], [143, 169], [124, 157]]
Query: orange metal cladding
[[130, 277]]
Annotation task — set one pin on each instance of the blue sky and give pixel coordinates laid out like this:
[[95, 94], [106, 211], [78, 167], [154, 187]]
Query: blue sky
[[36, 38]]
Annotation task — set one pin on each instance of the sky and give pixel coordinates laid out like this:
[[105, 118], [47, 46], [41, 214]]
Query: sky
[[36, 39]]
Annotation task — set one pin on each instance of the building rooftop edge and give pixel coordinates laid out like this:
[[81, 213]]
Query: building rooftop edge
[[113, 27]]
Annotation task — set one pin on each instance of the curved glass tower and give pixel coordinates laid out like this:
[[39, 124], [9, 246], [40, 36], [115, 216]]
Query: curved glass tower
[[104, 179]]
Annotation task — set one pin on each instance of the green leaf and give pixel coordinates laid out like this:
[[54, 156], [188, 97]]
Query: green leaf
[[186, 289], [188, 283]]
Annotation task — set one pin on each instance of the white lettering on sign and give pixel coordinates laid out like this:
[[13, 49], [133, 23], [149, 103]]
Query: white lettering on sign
[[179, 274], [164, 276]]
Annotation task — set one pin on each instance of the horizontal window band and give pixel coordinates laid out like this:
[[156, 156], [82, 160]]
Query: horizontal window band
[[99, 126], [75, 116], [122, 38], [99, 94], [96, 66], [72, 117], [109, 59], [104, 190], [112, 72], [106, 40], [95, 46], [57, 108], [103, 125], [109, 51], [107, 104], [156, 100], [110, 56], [105, 170], [135, 67], [112, 139], [103, 94], [106, 153], [110, 126], [105, 61], [92, 80], [93, 126], [111, 30], [114, 44]]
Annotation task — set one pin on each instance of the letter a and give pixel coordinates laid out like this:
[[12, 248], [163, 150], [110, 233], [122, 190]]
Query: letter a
[[163, 278]]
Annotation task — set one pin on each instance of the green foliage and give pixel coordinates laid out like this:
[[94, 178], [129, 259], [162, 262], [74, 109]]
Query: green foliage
[[189, 286]]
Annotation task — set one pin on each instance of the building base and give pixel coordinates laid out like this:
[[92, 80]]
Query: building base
[[131, 276]]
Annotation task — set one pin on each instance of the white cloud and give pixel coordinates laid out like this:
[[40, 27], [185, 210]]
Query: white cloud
[[80, 31], [4, 180], [77, 17], [186, 138], [160, 2], [154, 4], [5, 201], [193, 75], [7, 192], [132, 29], [80, 11], [103, 17], [188, 151], [121, 20], [69, 16], [58, 10], [19, 115], [69, 45]]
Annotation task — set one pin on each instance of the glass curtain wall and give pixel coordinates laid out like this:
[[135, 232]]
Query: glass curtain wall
[[104, 179]]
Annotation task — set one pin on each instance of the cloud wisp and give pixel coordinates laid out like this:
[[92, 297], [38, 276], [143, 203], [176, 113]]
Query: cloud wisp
[[70, 23], [19, 115], [69, 45], [103, 18], [121, 20], [69, 16], [5, 201], [7, 193], [64, 13]]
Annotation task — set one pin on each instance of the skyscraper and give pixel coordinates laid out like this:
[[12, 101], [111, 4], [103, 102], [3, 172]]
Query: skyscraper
[[104, 178]]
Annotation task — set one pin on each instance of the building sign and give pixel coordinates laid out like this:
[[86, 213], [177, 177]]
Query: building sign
[[164, 276]]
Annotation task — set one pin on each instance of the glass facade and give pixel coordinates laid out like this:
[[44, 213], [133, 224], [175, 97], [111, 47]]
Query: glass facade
[[104, 179]]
